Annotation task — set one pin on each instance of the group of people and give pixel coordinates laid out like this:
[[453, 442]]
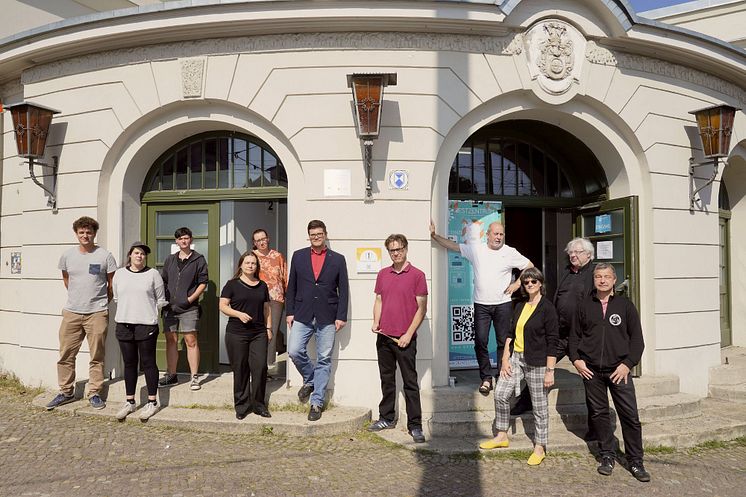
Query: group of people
[[598, 330]]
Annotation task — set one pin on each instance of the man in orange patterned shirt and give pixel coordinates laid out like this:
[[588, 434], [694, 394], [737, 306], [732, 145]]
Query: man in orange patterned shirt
[[272, 271]]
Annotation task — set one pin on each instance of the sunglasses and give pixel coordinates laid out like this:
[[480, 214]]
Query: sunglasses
[[533, 282]]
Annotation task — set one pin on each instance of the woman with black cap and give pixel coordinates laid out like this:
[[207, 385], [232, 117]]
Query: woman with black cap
[[139, 294]]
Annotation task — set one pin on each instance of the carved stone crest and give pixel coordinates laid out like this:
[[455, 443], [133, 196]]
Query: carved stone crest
[[556, 61], [555, 51]]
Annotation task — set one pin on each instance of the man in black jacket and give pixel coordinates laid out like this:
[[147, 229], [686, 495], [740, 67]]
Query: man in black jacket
[[605, 344], [185, 278]]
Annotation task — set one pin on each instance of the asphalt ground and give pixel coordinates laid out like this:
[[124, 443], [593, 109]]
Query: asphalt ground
[[59, 454]]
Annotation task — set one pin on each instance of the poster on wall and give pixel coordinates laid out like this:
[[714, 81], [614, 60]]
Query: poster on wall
[[467, 223]]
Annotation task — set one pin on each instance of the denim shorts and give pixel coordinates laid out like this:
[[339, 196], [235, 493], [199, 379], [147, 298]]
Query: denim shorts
[[183, 322]]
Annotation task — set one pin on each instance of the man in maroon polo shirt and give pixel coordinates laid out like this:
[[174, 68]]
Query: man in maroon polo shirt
[[400, 307]]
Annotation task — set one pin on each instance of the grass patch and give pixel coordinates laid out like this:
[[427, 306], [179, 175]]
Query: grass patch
[[710, 445], [10, 384], [365, 436], [267, 431], [659, 450]]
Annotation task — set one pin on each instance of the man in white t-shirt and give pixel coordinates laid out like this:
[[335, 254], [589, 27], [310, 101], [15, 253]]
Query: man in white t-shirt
[[493, 265]]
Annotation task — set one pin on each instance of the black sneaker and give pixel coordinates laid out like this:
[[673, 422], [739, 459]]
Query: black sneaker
[[382, 424], [606, 466], [60, 399], [168, 380], [417, 435], [305, 393], [315, 413], [638, 471]]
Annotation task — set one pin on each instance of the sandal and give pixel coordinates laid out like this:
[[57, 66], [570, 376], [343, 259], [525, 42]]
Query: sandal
[[485, 387]]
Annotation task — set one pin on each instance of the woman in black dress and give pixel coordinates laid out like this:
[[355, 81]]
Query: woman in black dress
[[245, 300]]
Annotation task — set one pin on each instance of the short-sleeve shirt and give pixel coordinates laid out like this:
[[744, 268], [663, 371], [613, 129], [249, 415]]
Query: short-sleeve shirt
[[399, 292], [248, 299], [87, 284], [273, 271], [493, 270]]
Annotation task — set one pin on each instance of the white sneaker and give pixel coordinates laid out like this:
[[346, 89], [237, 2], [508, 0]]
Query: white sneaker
[[148, 411], [195, 385], [127, 409]]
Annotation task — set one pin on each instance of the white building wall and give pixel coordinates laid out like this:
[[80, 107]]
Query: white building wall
[[121, 111]]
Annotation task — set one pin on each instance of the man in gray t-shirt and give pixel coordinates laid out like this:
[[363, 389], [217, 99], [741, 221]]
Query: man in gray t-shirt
[[87, 271]]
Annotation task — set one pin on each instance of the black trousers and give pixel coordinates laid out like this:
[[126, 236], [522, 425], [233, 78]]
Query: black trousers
[[247, 354], [144, 351], [625, 404], [389, 355], [485, 315]]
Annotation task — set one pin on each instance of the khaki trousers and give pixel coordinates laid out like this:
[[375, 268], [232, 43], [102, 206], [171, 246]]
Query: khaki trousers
[[72, 330]]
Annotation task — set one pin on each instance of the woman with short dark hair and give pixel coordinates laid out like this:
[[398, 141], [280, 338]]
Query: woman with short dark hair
[[530, 353]]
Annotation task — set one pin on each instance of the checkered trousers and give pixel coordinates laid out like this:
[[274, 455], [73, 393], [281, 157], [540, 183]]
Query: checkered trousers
[[505, 389]]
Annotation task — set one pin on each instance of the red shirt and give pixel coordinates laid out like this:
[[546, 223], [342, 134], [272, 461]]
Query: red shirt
[[317, 261], [399, 292]]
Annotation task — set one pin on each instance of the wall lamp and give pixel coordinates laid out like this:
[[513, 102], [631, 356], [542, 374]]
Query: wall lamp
[[715, 125], [367, 94], [31, 126]]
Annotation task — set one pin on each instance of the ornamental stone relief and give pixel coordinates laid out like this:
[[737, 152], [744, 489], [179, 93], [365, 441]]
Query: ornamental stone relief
[[554, 51], [192, 71]]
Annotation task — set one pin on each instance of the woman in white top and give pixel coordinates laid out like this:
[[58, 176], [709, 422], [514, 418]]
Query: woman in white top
[[139, 294]]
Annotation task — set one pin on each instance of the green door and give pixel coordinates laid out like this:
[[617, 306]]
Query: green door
[[726, 338], [612, 227], [203, 219]]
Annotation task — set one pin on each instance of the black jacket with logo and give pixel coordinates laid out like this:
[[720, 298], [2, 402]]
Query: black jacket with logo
[[605, 342]]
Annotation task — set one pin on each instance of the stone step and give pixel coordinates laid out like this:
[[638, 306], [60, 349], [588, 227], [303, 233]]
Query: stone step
[[290, 422], [568, 390], [730, 374], [215, 391], [720, 420], [562, 418], [735, 356], [731, 393]]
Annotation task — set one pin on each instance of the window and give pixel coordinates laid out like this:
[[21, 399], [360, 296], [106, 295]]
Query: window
[[216, 161]]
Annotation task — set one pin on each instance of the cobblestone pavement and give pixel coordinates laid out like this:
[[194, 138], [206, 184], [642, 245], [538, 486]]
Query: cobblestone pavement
[[53, 453]]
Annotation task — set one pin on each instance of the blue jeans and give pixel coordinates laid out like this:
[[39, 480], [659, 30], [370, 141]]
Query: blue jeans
[[316, 375]]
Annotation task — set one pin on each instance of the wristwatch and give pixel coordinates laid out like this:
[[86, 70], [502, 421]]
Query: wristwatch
[[551, 370]]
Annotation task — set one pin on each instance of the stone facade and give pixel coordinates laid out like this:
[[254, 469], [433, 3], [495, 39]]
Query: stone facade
[[122, 107]]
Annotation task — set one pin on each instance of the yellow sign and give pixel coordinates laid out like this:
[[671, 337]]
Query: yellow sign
[[368, 260]]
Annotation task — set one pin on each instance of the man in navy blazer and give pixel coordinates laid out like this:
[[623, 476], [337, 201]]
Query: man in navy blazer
[[316, 303]]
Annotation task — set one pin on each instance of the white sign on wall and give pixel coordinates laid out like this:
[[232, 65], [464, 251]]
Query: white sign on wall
[[337, 183]]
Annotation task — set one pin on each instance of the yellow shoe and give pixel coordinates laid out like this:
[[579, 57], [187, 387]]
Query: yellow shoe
[[494, 444], [536, 459]]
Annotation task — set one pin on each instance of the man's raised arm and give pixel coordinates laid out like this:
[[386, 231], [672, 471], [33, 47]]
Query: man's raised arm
[[443, 241]]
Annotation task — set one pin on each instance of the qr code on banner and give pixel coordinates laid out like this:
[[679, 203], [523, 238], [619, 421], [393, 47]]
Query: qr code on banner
[[462, 324]]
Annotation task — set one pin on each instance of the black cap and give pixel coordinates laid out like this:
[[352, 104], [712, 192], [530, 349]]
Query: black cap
[[141, 245]]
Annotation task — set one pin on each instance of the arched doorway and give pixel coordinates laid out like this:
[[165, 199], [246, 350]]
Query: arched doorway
[[222, 185], [549, 187]]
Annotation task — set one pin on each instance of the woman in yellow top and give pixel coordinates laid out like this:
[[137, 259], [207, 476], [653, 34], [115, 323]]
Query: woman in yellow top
[[530, 354]]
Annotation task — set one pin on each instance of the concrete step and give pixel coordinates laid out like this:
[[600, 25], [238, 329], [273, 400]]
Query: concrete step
[[568, 390], [731, 393], [735, 356], [562, 418], [221, 419], [719, 420], [216, 391], [730, 374]]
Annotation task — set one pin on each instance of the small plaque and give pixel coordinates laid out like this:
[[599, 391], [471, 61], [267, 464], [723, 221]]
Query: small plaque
[[603, 223], [399, 179], [368, 260]]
